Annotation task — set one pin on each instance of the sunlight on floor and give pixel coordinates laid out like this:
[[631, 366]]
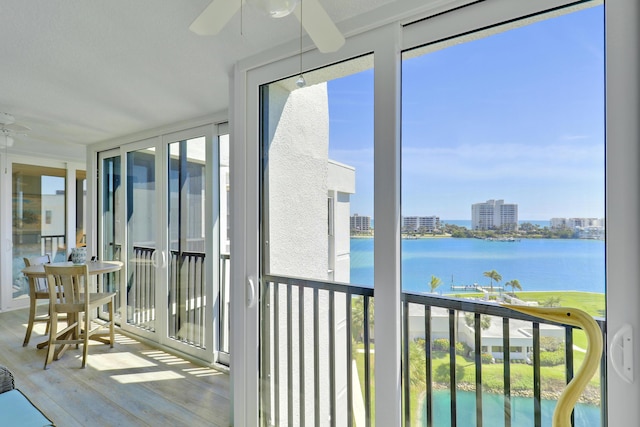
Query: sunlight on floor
[[117, 361], [147, 377], [202, 372]]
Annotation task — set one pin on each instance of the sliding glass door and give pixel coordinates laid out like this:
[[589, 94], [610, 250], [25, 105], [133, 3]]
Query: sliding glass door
[[162, 216], [144, 255], [189, 312], [110, 206], [39, 218]]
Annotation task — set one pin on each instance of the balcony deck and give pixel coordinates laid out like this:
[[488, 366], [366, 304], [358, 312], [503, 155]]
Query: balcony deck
[[131, 384]]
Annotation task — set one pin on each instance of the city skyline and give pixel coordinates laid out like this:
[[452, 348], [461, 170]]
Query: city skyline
[[500, 122]]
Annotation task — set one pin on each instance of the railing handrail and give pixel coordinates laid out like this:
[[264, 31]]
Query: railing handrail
[[479, 306], [318, 284]]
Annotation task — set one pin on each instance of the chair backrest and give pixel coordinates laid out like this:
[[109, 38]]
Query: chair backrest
[[40, 284], [67, 283]]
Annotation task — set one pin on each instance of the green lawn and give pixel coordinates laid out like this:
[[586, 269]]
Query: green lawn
[[592, 303], [492, 374]]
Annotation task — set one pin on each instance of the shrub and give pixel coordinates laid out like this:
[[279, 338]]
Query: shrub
[[441, 344], [487, 358], [551, 358], [551, 344], [441, 374], [462, 349]]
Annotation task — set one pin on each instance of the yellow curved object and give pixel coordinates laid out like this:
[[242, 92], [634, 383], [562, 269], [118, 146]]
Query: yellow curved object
[[574, 317]]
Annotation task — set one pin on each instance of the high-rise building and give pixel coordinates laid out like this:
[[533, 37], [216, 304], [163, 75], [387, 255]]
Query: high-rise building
[[424, 223], [360, 223], [494, 215]]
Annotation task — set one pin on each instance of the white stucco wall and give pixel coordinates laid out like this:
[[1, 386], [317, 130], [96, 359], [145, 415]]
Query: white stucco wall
[[341, 183], [298, 172], [300, 180]]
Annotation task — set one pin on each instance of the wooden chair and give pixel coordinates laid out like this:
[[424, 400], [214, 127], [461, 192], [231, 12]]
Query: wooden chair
[[38, 290], [69, 294]]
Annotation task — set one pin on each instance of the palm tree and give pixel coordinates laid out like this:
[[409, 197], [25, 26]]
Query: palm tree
[[357, 317], [493, 275], [515, 284], [434, 283], [485, 321]]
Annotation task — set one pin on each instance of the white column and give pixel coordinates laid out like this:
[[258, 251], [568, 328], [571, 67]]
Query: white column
[[244, 152], [387, 286], [623, 207]]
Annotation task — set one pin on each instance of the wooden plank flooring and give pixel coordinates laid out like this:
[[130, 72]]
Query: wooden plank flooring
[[131, 384]]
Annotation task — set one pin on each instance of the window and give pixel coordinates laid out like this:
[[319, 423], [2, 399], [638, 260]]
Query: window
[[503, 139], [318, 174], [39, 217]]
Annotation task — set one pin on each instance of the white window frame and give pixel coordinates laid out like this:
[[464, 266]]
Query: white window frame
[[622, 188]]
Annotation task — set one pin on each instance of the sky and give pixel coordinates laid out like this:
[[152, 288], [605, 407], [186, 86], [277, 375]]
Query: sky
[[517, 116]]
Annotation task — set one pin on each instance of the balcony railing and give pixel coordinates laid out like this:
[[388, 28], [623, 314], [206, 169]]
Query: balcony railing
[[52, 244], [187, 295], [187, 298], [317, 350]]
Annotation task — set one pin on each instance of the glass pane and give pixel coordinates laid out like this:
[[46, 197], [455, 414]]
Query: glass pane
[[225, 242], [81, 208], [317, 203], [503, 194], [318, 183], [111, 231], [39, 218], [141, 238], [187, 315]]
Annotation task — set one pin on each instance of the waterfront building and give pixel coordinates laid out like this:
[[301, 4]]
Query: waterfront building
[[360, 223], [491, 337], [574, 223], [425, 224], [494, 215]]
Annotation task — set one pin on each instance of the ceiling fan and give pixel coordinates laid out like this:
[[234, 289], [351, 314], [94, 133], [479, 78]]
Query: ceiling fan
[[9, 128], [315, 19]]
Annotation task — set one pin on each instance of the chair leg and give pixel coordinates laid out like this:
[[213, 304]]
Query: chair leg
[[46, 329], [85, 347], [112, 335], [32, 316], [52, 337]]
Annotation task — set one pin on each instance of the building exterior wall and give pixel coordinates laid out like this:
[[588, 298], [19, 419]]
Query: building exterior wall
[[424, 223], [341, 183], [494, 215], [308, 232]]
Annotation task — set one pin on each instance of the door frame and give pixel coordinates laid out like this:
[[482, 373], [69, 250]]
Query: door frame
[[622, 64]]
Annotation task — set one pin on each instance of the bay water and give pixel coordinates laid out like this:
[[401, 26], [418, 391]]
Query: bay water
[[522, 414], [538, 264]]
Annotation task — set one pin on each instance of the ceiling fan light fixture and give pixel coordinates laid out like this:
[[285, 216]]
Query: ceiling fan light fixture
[[8, 141], [276, 8]]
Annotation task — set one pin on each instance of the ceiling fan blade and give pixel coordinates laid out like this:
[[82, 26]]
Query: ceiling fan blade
[[214, 17], [319, 26], [17, 129]]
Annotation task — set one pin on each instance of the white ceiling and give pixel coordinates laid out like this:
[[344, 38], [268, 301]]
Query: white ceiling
[[78, 72]]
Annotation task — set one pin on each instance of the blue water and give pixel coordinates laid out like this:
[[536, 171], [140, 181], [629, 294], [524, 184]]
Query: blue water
[[493, 411], [538, 264]]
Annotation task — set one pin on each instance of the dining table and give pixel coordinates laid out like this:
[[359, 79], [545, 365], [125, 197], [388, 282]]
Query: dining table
[[94, 268]]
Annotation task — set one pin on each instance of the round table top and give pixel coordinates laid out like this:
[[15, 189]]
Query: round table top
[[95, 267]]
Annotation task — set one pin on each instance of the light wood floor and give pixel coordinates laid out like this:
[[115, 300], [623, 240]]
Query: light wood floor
[[131, 384]]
